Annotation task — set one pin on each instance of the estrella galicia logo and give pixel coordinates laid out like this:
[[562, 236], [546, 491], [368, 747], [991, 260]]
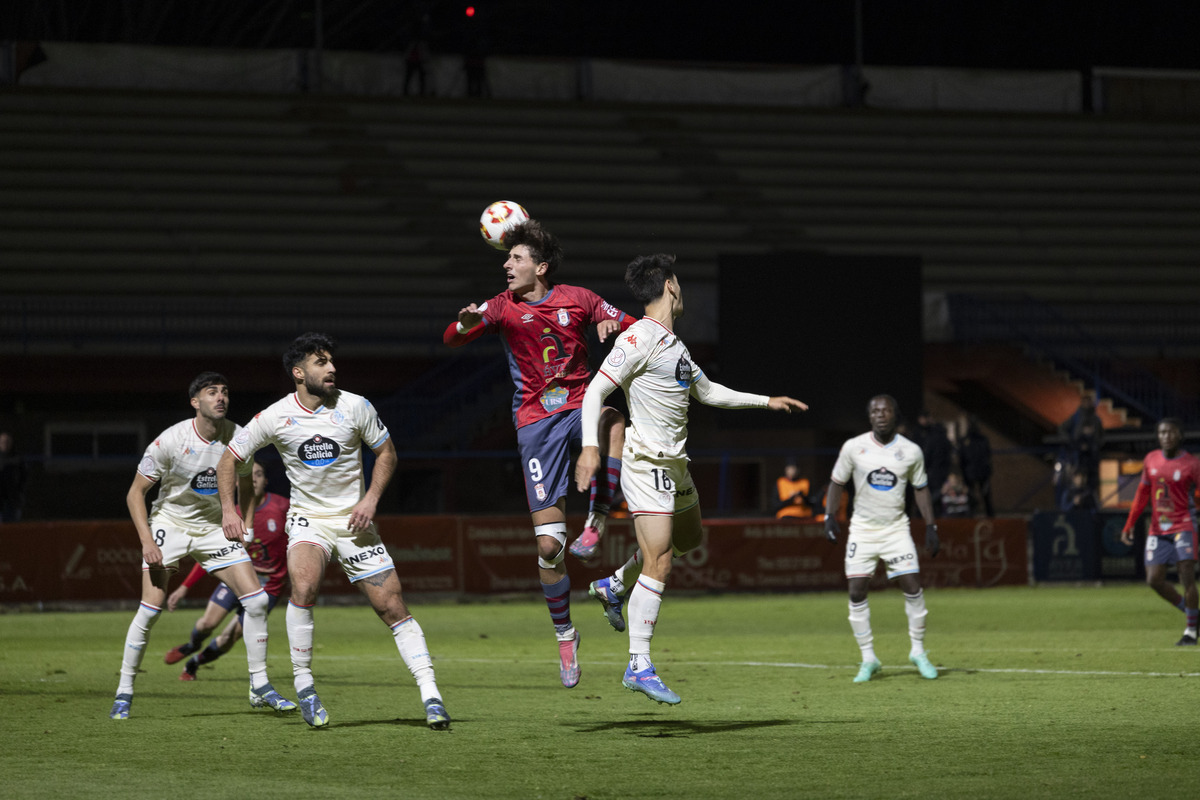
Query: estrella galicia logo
[[319, 451], [683, 372], [882, 479], [205, 482]]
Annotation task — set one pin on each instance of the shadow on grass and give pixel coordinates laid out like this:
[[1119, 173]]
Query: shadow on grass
[[659, 728]]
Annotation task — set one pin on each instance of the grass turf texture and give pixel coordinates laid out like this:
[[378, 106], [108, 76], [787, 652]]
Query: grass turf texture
[[1044, 692]]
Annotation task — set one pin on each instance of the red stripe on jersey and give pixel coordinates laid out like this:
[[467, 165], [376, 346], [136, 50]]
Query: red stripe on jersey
[[198, 436]]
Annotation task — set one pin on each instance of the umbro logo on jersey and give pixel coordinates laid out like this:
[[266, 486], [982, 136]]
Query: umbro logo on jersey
[[526, 317]]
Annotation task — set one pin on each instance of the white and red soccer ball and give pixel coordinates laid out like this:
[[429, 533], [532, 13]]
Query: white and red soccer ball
[[498, 219]]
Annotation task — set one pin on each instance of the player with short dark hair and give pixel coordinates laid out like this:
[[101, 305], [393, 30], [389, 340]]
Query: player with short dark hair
[[320, 432], [882, 463], [659, 378], [544, 327], [1170, 476], [186, 520]]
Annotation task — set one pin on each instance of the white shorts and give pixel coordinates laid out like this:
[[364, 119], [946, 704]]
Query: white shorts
[[205, 543], [893, 546], [361, 554], [660, 487]]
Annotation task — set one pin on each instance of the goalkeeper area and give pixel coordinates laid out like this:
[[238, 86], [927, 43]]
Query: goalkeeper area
[[1043, 692]]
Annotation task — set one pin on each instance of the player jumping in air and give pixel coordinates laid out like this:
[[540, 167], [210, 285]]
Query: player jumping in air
[[544, 327], [659, 378]]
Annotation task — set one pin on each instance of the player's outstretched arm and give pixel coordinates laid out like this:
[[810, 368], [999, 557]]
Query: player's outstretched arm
[[786, 404], [468, 327]]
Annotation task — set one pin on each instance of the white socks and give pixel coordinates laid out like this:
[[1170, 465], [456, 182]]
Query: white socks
[[860, 623], [136, 639], [300, 639], [254, 632], [410, 640], [644, 602], [914, 606], [627, 573]]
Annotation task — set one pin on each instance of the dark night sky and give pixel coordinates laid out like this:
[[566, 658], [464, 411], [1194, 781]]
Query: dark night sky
[[1040, 34]]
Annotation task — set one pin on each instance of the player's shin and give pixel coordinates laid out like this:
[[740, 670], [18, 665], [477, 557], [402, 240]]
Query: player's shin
[[860, 624], [914, 607], [135, 645], [644, 603], [300, 640], [410, 641], [254, 626]]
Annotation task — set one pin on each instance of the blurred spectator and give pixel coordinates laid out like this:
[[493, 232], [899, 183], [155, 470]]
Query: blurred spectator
[[793, 494], [12, 480], [975, 460], [1084, 433], [956, 501], [1081, 496], [416, 58], [939, 455]]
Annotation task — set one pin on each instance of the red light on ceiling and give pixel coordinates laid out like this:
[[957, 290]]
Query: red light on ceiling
[[470, 12]]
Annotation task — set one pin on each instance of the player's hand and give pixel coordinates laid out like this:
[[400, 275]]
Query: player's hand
[[786, 404], [152, 556], [471, 316], [832, 529], [585, 468], [233, 527], [361, 515], [933, 544], [606, 328], [174, 597], [1127, 536]]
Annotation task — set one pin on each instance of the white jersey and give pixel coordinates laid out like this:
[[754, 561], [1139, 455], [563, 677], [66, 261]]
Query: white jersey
[[880, 473], [184, 465], [659, 377], [321, 450]]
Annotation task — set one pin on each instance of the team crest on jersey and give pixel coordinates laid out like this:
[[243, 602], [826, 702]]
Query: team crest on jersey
[[242, 437], [882, 479], [683, 372], [319, 451], [338, 417], [564, 317], [616, 357], [540, 491], [899, 454], [1177, 475], [147, 465], [205, 482]]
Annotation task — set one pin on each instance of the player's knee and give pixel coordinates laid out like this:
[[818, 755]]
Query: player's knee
[[255, 604], [554, 560]]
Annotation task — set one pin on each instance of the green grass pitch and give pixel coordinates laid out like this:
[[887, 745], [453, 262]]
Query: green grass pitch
[[1044, 692]]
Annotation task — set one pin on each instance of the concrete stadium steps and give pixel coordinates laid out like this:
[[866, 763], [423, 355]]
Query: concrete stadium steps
[[133, 192]]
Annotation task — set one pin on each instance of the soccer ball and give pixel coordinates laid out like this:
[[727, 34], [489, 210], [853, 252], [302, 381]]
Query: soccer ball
[[498, 219]]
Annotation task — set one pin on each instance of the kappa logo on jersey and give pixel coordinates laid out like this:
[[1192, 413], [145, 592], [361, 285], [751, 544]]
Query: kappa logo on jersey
[[882, 479], [683, 372], [564, 317], [616, 357], [290, 421], [319, 451], [205, 482], [631, 339]]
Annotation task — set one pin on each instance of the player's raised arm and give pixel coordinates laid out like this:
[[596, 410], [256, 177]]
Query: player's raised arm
[[468, 327]]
